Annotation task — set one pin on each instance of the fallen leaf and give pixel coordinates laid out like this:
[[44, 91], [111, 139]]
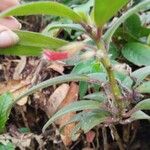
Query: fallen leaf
[[23, 141], [20, 67], [16, 87], [56, 66], [1, 66], [87, 148], [56, 99], [70, 97]]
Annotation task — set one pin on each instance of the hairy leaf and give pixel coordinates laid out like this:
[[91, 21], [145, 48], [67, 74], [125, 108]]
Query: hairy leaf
[[144, 87], [139, 115], [96, 96], [137, 53], [139, 75], [76, 106], [83, 87], [91, 119], [134, 26], [143, 105]]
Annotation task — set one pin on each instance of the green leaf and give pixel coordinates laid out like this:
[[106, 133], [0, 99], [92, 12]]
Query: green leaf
[[39, 40], [43, 8], [53, 81], [127, 82], [88, 120], [84, 7], [83, 67], [102, 77], [63, 26], [83, 87], [104, 10], [6, 102], [75, 118], [133, 25], [143, 105], [32, 44], [144, 5], [139, 75], [139, 115], [113, 51], [24, 130], [148, 40], [137, 53], [134, 29], [144, 87], [20, 50], [7, 146], [91, 119], [100, 96], [62, 79], [76, 106]]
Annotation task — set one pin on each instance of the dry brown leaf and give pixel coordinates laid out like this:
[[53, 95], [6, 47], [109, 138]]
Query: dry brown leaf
[[23, 141], [71, 97], [56, 66], [87, 148], [56, 98], [16, 87], [20, 67], [1, 66]]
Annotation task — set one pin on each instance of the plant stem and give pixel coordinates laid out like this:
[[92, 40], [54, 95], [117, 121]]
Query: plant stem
[[112, 81], [117, 137]]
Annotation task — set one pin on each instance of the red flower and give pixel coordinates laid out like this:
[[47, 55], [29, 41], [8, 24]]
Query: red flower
[[53, 56], [65, 52]]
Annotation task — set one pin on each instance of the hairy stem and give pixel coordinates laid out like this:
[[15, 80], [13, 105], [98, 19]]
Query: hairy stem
[[112, 81]]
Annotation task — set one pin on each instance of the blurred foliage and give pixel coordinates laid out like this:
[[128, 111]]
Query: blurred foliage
[[68, 2]]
